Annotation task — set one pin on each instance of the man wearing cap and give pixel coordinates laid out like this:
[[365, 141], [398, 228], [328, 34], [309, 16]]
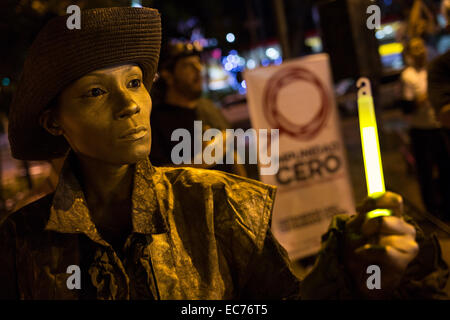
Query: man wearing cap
[[179, 88], [119, 228]]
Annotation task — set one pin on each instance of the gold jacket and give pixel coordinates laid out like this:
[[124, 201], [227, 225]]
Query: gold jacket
[[197, 234]]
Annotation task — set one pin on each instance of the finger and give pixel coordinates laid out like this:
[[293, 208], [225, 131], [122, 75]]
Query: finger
[[387, 200], [392, 201], [405, 244], [355, 223], [385, 256], [396, 258], [371, 253], [387, 226]]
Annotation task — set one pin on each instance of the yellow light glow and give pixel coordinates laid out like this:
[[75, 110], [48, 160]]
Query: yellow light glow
[[378, 213], [313, 41], [390, 48], [372, 161], [371, 152]]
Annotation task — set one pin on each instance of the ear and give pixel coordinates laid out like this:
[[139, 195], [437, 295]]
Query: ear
[[48, 122], [167, 76]]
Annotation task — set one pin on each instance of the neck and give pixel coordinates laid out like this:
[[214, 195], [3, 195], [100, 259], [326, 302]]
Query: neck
[[105, 184], [176, 98], [418, 67]]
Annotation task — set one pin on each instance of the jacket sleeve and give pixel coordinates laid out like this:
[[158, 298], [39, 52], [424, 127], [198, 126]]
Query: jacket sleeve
[[328, 278], [259, 265], [425, 277], [270, 274], [8, 276]]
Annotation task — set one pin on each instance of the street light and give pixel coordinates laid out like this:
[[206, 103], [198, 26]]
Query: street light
[[230, 37]]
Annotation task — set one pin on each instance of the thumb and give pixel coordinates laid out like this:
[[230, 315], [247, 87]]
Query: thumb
[[388, 200]]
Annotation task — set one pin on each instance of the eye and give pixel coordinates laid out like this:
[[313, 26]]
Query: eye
[[135, 83], [95, 92]]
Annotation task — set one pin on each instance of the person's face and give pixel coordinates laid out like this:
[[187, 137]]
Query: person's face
[[187, 76], [105, 115], [418, 51]]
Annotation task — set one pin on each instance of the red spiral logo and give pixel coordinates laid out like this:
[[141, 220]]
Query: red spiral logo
[[276, 120]]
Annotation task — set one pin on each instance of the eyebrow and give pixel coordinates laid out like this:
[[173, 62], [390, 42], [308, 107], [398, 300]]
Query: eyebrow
[[96, 74]]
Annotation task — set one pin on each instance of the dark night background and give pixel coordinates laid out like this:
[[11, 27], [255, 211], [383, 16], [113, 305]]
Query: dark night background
[[256, 24]]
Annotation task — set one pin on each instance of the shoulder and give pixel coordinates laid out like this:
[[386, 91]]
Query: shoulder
[[407, 74], [236, 204], [210, 112], [205, 103], [187, 177], [30, 218]]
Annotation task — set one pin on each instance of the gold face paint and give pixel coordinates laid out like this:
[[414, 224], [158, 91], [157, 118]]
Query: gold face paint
[[370, 146], [105, 115]]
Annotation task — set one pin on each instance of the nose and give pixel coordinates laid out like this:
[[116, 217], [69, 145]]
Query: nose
[[128, 107], [198, 67]]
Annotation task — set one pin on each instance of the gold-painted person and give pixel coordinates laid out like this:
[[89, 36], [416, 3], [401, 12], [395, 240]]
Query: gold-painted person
[[135, 231]]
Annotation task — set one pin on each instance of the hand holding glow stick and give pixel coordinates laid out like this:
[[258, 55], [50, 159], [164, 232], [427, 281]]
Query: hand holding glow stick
[[370, 146]]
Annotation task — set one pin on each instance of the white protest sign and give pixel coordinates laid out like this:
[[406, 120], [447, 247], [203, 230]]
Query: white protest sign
[[313, 184]]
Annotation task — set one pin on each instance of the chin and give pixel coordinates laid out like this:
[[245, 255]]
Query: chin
[[132, 155], [138, 154]]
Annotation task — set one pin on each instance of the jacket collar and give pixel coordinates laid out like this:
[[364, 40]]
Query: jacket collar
[[69, 212]]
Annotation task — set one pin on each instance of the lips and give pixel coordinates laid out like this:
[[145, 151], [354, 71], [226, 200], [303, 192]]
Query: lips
[[134, 133]]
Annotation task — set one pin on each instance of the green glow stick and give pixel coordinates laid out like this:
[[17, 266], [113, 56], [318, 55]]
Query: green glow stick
[[370, 146]]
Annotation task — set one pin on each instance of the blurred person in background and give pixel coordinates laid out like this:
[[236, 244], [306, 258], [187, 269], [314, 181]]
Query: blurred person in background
[[426, 139], [439, 88], [439, 96], [179, 102], [421, 22]]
